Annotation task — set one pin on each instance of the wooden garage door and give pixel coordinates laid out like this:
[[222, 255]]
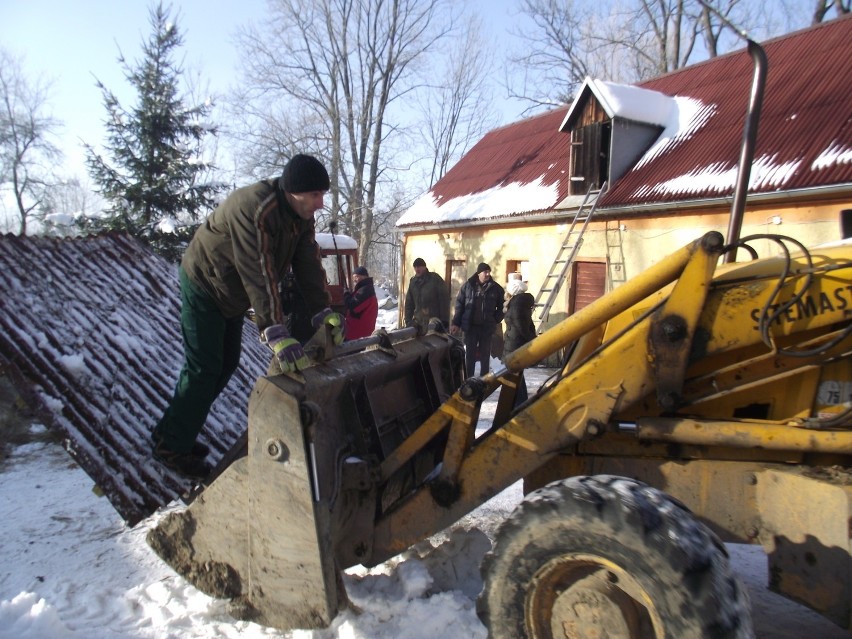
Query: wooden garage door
[[589, 283]]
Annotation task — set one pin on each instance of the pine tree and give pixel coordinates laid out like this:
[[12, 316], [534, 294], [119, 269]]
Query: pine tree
[[153, 182]]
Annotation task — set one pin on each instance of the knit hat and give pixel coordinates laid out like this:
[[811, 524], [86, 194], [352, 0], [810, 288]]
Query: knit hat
[[482, 267], [516, 286], [419, 262], [360, 270], [304, 173]]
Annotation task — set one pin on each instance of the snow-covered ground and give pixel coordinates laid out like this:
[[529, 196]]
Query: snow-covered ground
[[71, 569]]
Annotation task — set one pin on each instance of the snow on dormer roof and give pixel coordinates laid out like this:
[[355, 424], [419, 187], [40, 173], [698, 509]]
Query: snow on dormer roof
[[622, 101]]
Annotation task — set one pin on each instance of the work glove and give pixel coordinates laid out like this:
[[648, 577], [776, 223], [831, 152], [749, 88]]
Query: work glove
[[291, 356], [335, 320]]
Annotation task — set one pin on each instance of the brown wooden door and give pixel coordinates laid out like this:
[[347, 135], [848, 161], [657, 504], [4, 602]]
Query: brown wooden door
[[588, 284]]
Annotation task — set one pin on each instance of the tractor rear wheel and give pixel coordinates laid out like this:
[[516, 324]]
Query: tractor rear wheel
[[606, 556]]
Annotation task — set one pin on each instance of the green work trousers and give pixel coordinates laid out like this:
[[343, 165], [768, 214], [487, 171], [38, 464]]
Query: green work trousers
[[212, 345]]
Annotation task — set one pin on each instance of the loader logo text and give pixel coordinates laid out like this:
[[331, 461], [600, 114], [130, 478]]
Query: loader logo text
[[809, 306]]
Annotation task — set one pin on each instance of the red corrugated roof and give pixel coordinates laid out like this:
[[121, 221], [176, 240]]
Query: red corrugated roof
[[807, 108], [525, 152]]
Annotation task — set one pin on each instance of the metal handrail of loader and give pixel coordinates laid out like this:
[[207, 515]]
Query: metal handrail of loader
[[380, 337]]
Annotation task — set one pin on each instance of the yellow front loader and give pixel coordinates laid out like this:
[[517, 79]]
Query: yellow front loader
[[698, 404]]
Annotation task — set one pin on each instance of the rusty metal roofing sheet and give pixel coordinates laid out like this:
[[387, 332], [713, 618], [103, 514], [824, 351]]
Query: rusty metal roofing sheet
[[804, 136], [527, 151], [90, 329], [804, 131]]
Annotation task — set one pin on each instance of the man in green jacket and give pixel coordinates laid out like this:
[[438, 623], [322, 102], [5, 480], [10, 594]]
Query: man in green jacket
[[237, 260], [427, 297]]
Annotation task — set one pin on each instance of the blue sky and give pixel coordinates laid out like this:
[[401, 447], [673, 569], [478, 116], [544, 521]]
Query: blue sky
[[74, 42]]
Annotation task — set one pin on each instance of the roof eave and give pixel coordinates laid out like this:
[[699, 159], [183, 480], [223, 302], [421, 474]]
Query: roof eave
[[520, 218], [561, 211], [791, 195]]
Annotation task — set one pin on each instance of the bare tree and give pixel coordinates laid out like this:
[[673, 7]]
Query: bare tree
[[823, 7], [710, 29], [27, 151], [620, 40], [458, 108], [555, 53], [323, 76], [64, 204], [669, 32], [664, 35]]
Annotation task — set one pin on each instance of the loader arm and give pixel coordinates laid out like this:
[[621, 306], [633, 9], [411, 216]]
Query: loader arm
[[375, 449], [652, 354]]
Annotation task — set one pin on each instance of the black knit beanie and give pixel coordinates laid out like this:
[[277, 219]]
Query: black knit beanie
[[482, 267], [304, 173]]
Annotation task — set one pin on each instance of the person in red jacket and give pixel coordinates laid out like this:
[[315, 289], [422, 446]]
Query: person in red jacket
[[362, 307]]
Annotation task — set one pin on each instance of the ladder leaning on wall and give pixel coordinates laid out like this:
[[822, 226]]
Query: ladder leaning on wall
[[568, 251]]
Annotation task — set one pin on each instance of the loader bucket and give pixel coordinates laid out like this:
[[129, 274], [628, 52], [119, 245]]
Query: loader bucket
[[269, 531]]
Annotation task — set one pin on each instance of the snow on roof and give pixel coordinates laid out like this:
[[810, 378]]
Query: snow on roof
[[327, 241], [685, 118], [495, 202], [90, 333], [512, 170], [836, 153], [720, 178], [804, 139], [624, 101], [679, 117]]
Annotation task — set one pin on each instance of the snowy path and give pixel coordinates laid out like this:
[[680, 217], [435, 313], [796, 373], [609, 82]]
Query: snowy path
[[72, 570]]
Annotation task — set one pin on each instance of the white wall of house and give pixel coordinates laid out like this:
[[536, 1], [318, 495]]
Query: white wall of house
[[628, 245]]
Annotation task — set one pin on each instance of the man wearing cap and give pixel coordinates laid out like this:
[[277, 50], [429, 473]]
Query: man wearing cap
[[362, 307], [427, 296], [478, 310], [236, 261]]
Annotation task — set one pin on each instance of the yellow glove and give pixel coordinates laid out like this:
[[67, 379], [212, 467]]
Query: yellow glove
[[291, 356], [335, 320]]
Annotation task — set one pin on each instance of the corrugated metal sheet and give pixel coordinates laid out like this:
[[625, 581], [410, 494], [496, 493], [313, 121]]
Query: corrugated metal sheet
[[90, 328], [807, 109], [524, 152]]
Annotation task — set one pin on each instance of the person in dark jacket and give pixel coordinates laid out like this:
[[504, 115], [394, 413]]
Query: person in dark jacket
[[427, 296], [236, 261], [520, 328], [362, 306], [478, 310]]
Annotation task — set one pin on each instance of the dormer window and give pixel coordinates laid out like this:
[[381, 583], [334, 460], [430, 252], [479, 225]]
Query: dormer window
[[611, 126], [590, 148]]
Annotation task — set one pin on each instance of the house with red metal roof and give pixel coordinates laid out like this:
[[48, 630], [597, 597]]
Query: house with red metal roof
[[627, 174]]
